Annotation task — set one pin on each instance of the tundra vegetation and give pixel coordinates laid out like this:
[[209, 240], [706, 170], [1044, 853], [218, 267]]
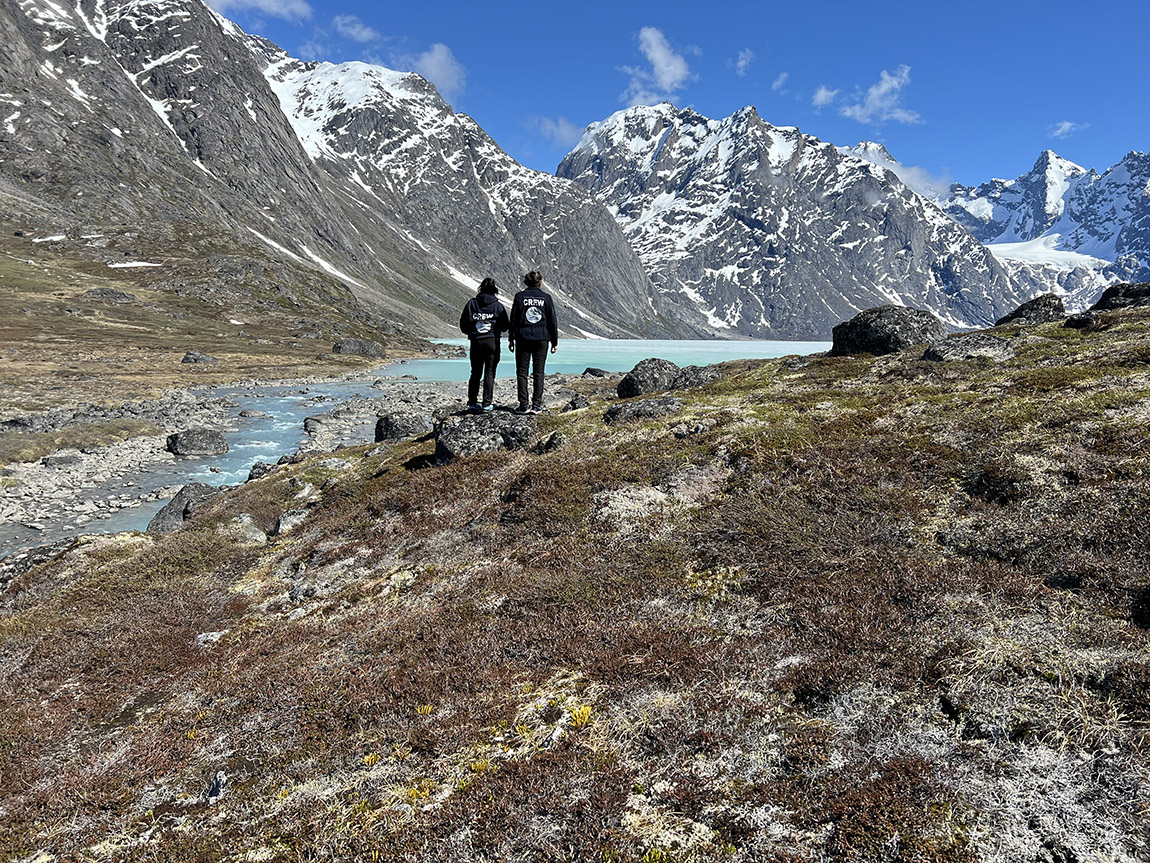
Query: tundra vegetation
[[836, 608]]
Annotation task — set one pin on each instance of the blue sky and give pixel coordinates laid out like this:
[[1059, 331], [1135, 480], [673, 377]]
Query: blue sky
[[965, 92]]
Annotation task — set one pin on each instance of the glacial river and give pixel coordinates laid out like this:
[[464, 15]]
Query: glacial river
[[281, 431]]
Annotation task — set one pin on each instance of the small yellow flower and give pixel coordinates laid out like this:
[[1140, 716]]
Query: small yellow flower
[[581, 715]]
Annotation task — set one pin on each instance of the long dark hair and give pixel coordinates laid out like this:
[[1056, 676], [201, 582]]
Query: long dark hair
[[533, 279], [488, 286]]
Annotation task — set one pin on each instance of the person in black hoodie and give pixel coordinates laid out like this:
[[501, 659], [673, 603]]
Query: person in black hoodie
[[532, 327], [483, 320]]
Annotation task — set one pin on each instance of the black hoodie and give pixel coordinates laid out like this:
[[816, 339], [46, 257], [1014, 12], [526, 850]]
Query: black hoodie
[[533, 317], [483, 317]]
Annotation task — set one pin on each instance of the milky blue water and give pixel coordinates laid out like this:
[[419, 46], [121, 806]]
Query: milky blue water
[[281, 431]]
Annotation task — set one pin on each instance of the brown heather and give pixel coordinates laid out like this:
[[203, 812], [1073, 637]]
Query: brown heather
[[882, 609]]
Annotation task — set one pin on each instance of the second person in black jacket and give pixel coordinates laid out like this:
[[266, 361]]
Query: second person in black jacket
[[532, 327], [483, 320]]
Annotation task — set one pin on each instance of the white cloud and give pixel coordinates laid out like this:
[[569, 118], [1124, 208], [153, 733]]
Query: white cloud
[[312, 50], [921, 180], [438, 65], [351, 27], [746, 57], [780, 82], [668, 72], [561, 131], [1065, 129], [290, 10], [883, 101], [823, 96]]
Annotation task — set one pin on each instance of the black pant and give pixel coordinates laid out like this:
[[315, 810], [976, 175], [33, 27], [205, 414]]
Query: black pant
[[484, 359], [533, 352]]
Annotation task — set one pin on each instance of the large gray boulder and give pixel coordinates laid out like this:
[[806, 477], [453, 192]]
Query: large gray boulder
[[696, 376], [199, 358], [197, 442], [649, 376], [486, 432], [188, 499], [646, 409], [1045, 309], [399, 425], [360, 348], [1124, 296], [969, 346], [885, 330]]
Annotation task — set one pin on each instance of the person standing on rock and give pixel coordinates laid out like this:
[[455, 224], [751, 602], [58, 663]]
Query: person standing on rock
[[532, 327], [483, 321]]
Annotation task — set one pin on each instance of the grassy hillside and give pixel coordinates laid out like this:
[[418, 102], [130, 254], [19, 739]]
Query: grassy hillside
[[835, 609]]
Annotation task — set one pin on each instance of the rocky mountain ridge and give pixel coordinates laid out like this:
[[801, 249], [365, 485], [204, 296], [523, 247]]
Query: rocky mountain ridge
[[755, 230]]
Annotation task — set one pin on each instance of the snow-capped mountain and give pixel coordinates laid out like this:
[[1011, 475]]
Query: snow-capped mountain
[[755, 230], [166, 127], [1063, 227]]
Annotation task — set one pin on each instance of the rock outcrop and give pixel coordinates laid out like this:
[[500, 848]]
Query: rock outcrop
[[188, 499], [1045, 309], [651, 375], [969, 346], [197, 442], [468, 434], [885, 330]]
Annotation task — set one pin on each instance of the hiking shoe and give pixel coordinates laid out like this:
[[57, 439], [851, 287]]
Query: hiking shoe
[[474, 409], [522, 409], [537, 409], [489, 407]]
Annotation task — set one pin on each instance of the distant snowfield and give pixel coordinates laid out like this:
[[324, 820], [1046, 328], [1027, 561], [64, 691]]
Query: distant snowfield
[[1044, 250], [124, 265]]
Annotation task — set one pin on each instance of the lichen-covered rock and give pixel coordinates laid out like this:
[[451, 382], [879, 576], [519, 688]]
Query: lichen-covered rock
[[289, 520], [651, 375], [360, 348], [197, 442], [260, 469], [969, 346], [646, 409], [1123, 296], [1083, 321], [1044, 309], [188, 499], [486, 432], [63, 458], [885, 330], [108, 295], [577, 403], [696, 376], [397, 426]]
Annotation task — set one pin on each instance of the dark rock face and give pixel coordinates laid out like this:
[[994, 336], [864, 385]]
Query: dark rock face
[[486, 432], [397, 426], [968, 346], [652, 375], [360, 348], [696, 376], [755, 229], [194, 356], [260, 469], [1084, 321], [885, 330], [577, 403], [180, 507], [197, 442], [643, 410], [64, 458], [108, 295], [1045, 309], [1123, 296]]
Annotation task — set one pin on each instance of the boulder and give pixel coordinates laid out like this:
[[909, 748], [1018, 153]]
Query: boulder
[[259, 469], [194, 356], [696, 376], [360, 348], [188, 499], [289, 520], [1083, 321], [486, 432], [593, 372], [108, 295], [885, 330], [643, 410], [63, 458], [1044, 309], [577, 403], [968, 346], [243, 529], [197, 442], [651, 375], [1123, 296], [397, 426], [311, 424]]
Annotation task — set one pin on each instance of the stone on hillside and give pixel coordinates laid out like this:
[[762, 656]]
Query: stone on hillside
[[643, 410], [1083, 321], [243, 529], [194, 356], [197, 442], [108, 295], [549, 444], [289, 520], [360, 348], [696, 376], [259, 469], [885, 330], [593, 372], [399, 425], [63, 458], [651, 375], [311, 424], [486, 432], [1124, 296], [1041, 310], [577, 403], [969, 346], [188, 499]]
